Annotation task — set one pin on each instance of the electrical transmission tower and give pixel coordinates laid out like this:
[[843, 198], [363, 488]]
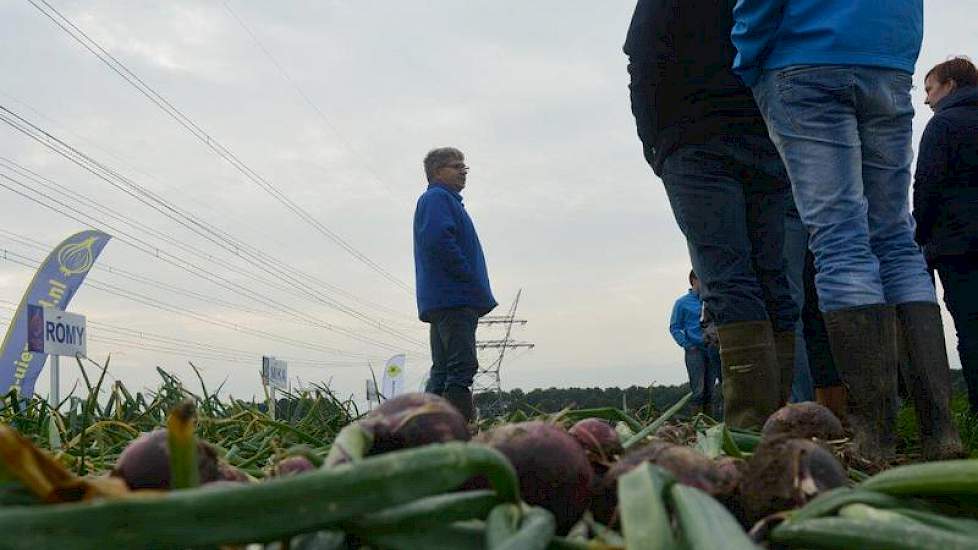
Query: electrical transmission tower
[[487, 378]]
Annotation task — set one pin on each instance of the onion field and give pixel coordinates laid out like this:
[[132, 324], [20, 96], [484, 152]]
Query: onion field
[[177, 467]]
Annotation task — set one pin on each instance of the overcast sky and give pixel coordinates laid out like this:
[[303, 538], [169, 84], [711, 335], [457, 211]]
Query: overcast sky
[[335, 103]]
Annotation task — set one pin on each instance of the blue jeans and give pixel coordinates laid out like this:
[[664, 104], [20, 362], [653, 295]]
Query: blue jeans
[[703, 367], [728, 196], [453, 355], [795, 250], [844, 133]]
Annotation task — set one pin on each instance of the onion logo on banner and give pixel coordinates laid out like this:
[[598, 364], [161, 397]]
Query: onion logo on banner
[[76, 258]]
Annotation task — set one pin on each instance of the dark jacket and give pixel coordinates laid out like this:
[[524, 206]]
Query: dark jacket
[[683, 89], [945, 191], [449, 267]]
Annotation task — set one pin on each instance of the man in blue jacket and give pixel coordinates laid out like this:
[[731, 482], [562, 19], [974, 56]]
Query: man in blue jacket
[[702, 133], [832, 79], [451, 280], [945, 203], [702, 363]]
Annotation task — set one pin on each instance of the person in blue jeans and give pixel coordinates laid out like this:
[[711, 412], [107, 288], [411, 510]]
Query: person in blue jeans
[[702, 133], [945, 201], [832, 79], [452, 282], [702, 364]]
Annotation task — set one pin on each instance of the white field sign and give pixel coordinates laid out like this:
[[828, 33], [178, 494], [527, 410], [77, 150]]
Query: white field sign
[[276, 372], [62, 333]]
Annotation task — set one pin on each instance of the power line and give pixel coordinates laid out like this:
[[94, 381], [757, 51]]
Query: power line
[[145, 280], [171, 340], [305, 97], [309, 277], [290, 276], [173, 241], [153, 283], [163, 306], [231, 355], [120, 69], [194, 269]]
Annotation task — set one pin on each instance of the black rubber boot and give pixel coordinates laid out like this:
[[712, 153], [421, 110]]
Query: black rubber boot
[[461, 398], [864, 347], [928, 378], [751, 377], [784, 344]]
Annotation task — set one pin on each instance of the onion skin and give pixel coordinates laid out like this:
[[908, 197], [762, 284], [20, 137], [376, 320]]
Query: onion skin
[[231, 473], [293, 465], [720, 478], [145, 462], [414, 420], [598, 438], [552, 467]]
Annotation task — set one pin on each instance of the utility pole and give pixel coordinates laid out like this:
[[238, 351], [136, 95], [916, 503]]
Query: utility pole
[[487, 378]]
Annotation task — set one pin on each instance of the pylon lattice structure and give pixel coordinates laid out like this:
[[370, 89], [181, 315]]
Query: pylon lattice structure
[[487, 378]]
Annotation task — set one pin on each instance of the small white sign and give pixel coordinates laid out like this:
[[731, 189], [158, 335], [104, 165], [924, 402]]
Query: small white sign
[[276, 372], [56, 332]]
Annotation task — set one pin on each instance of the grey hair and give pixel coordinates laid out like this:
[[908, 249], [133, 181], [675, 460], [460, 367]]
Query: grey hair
[[437, 158]]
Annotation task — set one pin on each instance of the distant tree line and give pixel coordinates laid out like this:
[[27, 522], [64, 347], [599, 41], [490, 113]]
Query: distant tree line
[[638, 400], [641, 400]]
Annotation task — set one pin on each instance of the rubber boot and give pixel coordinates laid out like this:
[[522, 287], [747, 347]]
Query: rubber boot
[[751, 389], [461, 398], [864, 347], [784, 344], [928, 378], [834, 399]]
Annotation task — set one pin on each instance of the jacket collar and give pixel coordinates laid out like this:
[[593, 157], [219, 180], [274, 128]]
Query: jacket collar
[[962, 96], [449, 188]]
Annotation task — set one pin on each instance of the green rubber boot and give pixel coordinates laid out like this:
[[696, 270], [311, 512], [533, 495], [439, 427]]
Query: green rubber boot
[[751, 376]]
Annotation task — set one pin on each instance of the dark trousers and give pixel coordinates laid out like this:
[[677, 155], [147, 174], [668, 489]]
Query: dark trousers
[[959, 277], [795, 249], [453, 355], [703, 367], [728, 195], [820, 361]]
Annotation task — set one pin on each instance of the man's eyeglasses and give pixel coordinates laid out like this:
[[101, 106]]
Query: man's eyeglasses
[[460, 166]]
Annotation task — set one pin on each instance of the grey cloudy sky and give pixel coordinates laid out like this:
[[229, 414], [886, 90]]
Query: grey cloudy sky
[[534, 93]]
